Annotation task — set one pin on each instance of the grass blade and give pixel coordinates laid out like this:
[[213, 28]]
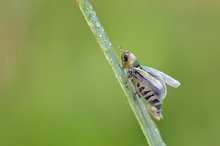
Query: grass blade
[[148, 127]]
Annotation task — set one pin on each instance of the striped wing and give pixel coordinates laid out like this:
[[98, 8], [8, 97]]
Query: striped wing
[[169, 80], [155, 83]]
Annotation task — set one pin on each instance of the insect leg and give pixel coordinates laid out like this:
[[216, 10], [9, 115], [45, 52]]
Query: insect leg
[[126, 82], [135, 94]]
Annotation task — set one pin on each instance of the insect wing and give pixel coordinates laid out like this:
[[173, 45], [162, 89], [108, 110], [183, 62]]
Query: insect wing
[[169, 80], [155, 83]]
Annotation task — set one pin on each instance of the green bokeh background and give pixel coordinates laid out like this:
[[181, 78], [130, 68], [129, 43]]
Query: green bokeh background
[[57, 89]]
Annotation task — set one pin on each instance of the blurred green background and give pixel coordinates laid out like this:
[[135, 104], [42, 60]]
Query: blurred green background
[[56, 87]]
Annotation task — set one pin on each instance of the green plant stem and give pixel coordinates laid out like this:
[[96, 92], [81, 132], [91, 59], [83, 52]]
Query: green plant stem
[[148, 127]]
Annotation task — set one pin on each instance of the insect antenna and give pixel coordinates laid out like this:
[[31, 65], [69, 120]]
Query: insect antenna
[[121, 48]]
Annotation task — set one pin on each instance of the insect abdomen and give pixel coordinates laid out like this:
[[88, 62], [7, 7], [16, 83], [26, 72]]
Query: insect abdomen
[[151, 98], [154, 104]]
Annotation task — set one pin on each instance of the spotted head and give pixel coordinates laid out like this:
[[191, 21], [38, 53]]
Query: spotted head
[[129, 60]]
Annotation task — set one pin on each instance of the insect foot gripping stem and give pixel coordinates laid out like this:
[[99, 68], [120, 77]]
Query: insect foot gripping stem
[[127, 82], [135, 95]]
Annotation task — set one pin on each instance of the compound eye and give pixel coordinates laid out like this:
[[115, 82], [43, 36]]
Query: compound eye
[[125, 58]]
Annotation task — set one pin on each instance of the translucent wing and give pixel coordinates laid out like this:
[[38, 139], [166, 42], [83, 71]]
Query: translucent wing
[[154, 82], [169, 80]]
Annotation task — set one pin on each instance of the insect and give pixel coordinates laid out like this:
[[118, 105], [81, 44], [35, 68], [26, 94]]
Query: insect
[[149, 83]]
